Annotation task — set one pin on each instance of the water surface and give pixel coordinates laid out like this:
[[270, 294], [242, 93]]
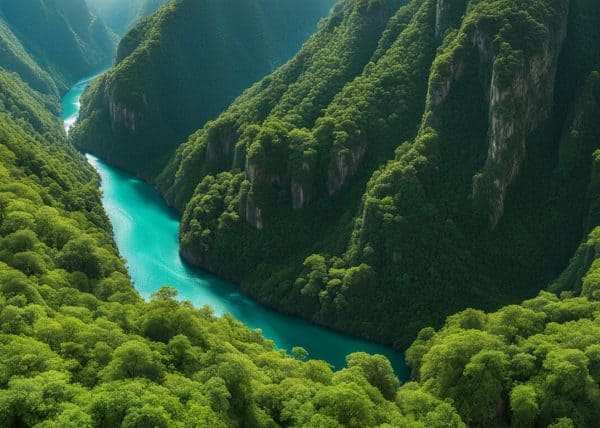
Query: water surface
[[71, 104], [146, 230]]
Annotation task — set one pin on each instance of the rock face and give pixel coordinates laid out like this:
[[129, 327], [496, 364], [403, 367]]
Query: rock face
[[519, 91], [415, 161], [519, 100], [448, 14], [343, 167], [303, 187], [181, 67], [219, 149], [253, 214], [121, 116]]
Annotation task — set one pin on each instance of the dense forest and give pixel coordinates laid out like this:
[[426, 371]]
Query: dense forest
[[183, 66], [52, 43], [430, 155], [413, 159], [80, 348]]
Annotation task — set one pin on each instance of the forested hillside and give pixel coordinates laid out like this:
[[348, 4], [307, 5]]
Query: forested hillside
[[52, 43], [492, 122], [183, 66], [528, 365], [80, 348], [413, 159], [121, 15]]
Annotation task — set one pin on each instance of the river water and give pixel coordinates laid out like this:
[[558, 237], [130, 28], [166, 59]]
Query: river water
[[145, 231]]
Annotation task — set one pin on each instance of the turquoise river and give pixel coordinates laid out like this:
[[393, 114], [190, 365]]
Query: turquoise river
[[145, 230]]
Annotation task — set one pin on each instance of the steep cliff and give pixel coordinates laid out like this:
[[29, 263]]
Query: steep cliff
[[297, 150], [80, 348], [290, 127], [414, 158], [183, 66]]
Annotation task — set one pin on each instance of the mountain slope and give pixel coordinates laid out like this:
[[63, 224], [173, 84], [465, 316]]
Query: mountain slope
[[120, 16], [52, 43], [533, 364], [307, 180], [79, 347], [15, 57], [190, 60]]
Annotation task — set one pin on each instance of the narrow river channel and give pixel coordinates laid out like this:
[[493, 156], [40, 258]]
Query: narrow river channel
[[145, 231]]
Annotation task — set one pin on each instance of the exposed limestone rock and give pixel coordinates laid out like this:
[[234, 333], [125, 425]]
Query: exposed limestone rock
[[516, 110], [516, 107], [438, 91], [253, 214], [122, 116], [298, 195], [343, 166], [448, 13], [302, 188], [220, 147], [257, 175]]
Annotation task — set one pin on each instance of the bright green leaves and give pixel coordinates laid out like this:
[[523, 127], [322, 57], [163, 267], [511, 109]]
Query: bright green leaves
[[378, 372], [79, 255], [524, 405], [535, 363], [134, 359], [23, 356]]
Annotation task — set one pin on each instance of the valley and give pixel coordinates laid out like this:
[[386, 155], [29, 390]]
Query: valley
[[146, 231], [187, 236]]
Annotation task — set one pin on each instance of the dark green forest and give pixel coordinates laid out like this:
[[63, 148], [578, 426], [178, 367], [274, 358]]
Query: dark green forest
[[51, 44], [80, 348], [424, 173], [183, 66], [413, 159]]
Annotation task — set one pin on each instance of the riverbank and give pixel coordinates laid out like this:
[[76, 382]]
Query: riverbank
[[146, 232]]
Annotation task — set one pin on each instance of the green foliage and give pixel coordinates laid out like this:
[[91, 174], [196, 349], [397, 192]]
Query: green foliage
[[543, 375], [346, 95], [52, 43], [406, 164], [378, 372], [181, 67], [132, 360], [80, 348]]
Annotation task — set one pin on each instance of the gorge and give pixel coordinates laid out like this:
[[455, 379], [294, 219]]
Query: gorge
[[420, 173], [146, 230]]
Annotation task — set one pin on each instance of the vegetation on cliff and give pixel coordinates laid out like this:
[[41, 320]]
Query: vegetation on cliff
[[181, 67], [407, 163], [52, 43], [80, 348]]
